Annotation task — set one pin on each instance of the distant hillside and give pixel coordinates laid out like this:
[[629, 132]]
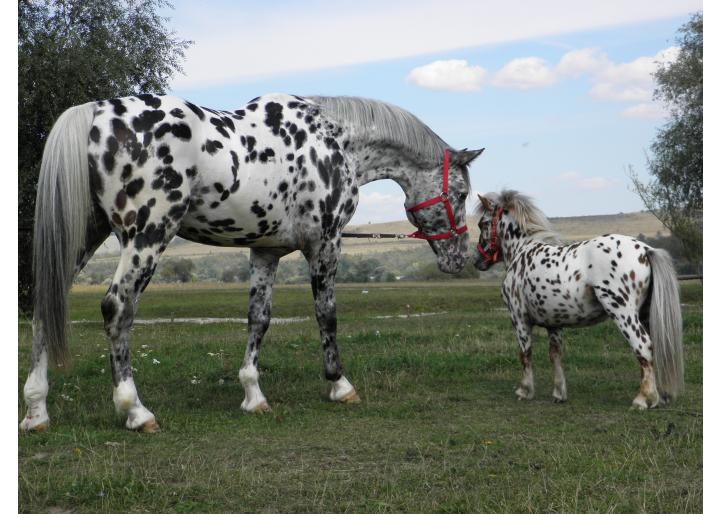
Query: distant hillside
[[570, 229]]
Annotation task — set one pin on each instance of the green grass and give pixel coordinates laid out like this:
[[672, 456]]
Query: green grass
[[438, 430]]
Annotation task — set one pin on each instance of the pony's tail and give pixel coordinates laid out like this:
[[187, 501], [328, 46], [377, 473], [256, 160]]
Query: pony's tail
[[666, 324], [62, 209]]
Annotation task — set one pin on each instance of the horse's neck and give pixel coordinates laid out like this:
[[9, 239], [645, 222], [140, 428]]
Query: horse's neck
[[377, 162]]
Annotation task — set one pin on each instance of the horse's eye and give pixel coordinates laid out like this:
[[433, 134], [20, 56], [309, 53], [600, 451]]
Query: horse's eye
[[463, 197]]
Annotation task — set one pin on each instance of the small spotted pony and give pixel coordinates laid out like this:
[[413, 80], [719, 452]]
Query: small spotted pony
[[554, 286], [279, 174]]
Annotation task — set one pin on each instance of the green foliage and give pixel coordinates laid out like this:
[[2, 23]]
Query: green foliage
[[674, 246], [75, 51], [176, 270], [675, 192]]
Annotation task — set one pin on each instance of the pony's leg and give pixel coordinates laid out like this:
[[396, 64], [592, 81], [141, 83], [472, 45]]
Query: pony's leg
[[560, 389], [323, 263], [36, 386], [263, 267], [523, 330], [628, 322], [118, 309]]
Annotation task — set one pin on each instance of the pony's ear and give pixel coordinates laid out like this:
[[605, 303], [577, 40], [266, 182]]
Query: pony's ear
[[464, 157], [485, 203]]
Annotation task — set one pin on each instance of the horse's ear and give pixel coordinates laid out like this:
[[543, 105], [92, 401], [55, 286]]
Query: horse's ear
[[465, 156], [485, 203]]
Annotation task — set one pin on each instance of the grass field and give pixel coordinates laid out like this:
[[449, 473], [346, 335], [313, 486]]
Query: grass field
[[438, 430]]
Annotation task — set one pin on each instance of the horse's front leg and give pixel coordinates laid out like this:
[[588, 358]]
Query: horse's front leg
[[118, 309], [263, 266], [323, 262]]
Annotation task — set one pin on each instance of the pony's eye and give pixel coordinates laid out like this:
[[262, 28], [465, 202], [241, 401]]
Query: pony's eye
[[463, 197]]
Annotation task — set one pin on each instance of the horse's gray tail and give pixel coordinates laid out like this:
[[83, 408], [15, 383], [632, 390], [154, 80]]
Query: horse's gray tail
[[62, 210], [666, 324]]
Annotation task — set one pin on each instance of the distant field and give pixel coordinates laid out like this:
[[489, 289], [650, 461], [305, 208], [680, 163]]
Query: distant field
[[572, 228], [438, 430]]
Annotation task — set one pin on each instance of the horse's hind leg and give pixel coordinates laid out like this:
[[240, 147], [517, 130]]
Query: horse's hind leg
[[36, 386], [628, 322], [263, 266], [560, 389]]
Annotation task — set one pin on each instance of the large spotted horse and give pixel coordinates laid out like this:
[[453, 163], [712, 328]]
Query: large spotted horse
[[278, 175], [552, 285]]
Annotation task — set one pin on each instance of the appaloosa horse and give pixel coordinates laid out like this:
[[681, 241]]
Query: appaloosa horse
[[278, 175], [554, 285]]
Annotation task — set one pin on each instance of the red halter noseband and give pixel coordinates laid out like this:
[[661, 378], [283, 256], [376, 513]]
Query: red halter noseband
[[443, 197], [494, 246]]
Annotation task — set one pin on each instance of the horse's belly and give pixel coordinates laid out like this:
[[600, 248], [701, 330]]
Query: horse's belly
[[246, 218]]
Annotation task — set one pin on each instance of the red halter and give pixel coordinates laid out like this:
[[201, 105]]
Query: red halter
[[443, 197], [494, 246]]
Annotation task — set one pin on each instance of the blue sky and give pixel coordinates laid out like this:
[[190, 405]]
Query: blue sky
[[559, 98]]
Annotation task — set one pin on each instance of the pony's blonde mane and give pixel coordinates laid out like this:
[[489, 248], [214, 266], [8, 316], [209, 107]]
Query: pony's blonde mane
[[531, 220]]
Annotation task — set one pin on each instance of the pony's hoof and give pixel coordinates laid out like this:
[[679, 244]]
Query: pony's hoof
[[559, 400], [523, 394], [351, 397], [149, 427], [639, 404]]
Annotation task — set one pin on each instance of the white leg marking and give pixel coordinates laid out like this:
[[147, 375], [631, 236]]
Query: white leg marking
[[343, 391], [526, 391], [128, 403], [560, 390], [35, 392], [254, 398]]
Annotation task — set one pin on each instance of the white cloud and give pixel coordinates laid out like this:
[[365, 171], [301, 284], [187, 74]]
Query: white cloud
[[644, 111], [525, 73], [241, 41], [582, 182], [620, 82], [631, 81], [450, 75], [583, 61]]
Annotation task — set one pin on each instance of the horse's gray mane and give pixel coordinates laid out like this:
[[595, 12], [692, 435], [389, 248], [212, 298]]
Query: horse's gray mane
[[380, 121], [533, 223]]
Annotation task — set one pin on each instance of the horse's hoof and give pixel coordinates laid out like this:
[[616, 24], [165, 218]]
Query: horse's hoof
[[559, 400], [261, 408], [150, 427], [27, 425], [351, 397], [40, 427]]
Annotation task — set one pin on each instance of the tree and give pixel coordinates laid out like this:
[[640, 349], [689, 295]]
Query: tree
[[177, 270], [675, 192], [75, 51]]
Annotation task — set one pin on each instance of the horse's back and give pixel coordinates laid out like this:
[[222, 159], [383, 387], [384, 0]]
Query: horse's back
[[246, 177]]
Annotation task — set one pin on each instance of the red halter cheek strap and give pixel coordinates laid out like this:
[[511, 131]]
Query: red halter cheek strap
[[494, 246], [443, 197]]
